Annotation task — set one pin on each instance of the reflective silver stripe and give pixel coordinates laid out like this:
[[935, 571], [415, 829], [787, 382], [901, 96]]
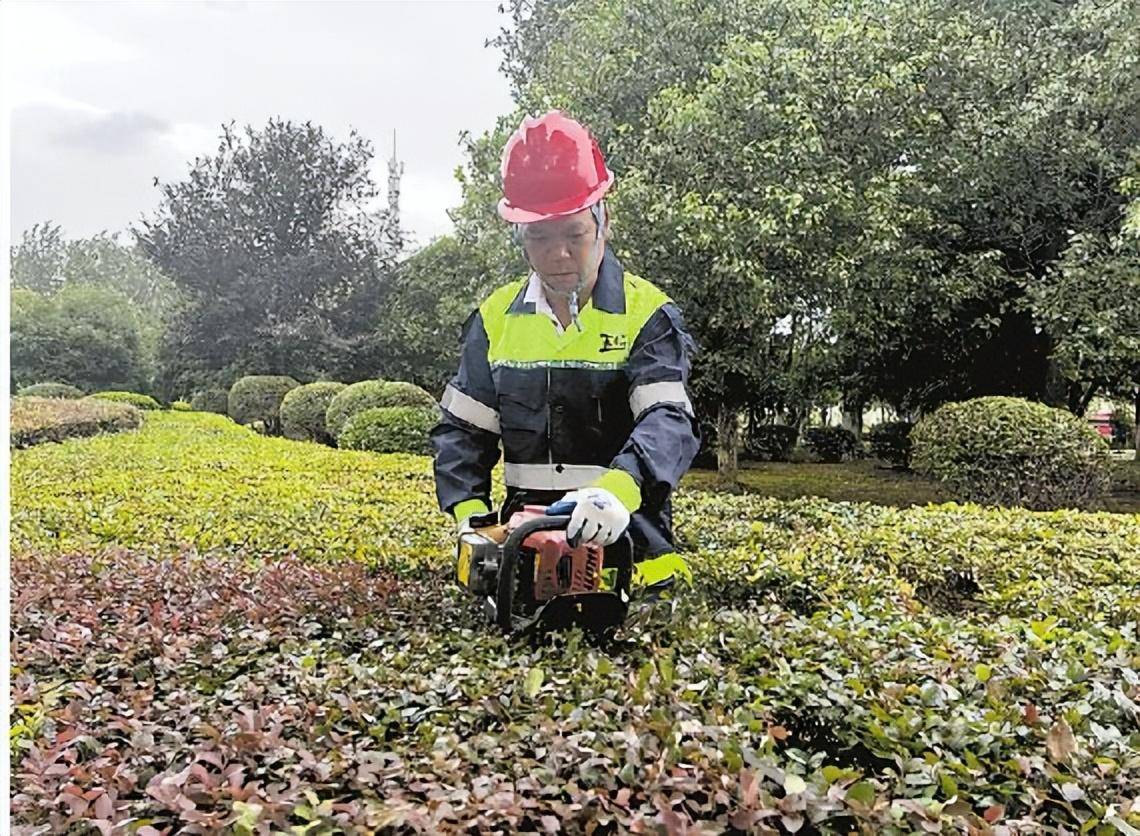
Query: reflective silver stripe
[[650, 394], [551, 477], [557, 364], [470, 410]]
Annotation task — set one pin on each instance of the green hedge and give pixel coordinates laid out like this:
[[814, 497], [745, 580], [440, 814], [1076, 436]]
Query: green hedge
[[390, 429], [256, 400], [373, 393], [181, 406], [771, 442], [837, 667], [890, 441], [51, 390], [303, 411], [211, 400], [35, 420], [133, 398], [832, 444], [1010, 451]]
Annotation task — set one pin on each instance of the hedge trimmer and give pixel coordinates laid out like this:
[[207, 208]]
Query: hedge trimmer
[[532, 581]]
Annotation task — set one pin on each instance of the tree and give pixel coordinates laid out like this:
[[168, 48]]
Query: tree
[[82, 335], [848, 196], [272, 244], [38, 261], [46, 262], [422, 310], [1032, 126]]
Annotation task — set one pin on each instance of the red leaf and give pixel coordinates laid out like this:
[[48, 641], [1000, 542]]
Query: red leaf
[[1060, 742], [1030, 714], [749, 788], [778, 733], [993, 813]]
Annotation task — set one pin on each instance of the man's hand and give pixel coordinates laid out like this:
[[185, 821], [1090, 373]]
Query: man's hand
[[599, 518]]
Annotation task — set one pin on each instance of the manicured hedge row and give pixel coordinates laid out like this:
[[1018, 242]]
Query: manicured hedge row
[[36, 420]]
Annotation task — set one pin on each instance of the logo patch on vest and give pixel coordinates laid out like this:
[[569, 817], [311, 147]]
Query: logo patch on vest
[[614, 342]]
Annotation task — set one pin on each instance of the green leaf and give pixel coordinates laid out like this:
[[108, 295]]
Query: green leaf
[[862, 792], [534, 680]]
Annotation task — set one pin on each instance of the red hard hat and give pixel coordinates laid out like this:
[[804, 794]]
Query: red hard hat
[[551, 167]]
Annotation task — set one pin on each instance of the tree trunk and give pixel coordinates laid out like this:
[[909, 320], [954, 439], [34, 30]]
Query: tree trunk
[[1056, 392], [1136, 433], [852, 418], [727, 444]]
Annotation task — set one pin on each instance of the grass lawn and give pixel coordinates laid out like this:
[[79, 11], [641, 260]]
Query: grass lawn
[[216, 631], [867, 481]]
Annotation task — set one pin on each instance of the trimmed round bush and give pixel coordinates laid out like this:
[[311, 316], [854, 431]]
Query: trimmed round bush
[[390, 429], [211, 400], [832, 444], [373, 393], [133, 398], [771, 442], [303, 411], [257, 397], [1010, 451], [180, 406], [890, 441], [51, 390]]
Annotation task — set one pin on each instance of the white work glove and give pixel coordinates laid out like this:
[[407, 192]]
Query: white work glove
[[599, 518]]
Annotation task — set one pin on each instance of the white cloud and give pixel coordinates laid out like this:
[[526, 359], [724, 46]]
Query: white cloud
[[43, 37], [23, 94], [85, 74]]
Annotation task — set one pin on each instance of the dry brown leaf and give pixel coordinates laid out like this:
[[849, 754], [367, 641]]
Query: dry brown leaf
[[1060, 742]]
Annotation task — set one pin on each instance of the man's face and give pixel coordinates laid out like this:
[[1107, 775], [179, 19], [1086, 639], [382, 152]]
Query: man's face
[[564, 250]]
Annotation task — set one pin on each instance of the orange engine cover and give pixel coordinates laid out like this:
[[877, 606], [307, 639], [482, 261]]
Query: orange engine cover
[[559, 569]]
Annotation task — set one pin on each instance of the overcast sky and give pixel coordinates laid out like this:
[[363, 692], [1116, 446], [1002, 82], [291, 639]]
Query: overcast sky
[[106, 96]]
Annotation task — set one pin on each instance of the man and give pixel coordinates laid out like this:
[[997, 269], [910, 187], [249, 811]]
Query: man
[[578, 369]]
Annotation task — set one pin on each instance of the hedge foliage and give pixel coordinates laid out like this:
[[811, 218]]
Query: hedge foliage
[[837, 667], [390, 429], [890, 441], [211, 400], [181, 406], [303, 411], [36, 420], [133, 398], [51, 390], [770, 442], [1010, 451], [257, 398], [832, 444], [199, 479], [367, 394]]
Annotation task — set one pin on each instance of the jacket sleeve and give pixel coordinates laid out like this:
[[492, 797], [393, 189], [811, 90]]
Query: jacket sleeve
[[466, 440], [665, 437]]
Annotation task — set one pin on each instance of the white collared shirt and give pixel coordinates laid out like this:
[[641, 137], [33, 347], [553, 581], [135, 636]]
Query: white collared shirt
[[535, 293]]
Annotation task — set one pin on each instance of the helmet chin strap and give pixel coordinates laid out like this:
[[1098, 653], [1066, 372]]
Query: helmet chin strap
[[571, 295]]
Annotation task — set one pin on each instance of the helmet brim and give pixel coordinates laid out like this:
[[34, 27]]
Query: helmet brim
[[518, 215]]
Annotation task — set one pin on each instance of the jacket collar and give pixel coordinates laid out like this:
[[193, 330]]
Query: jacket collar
[[609, 289]]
